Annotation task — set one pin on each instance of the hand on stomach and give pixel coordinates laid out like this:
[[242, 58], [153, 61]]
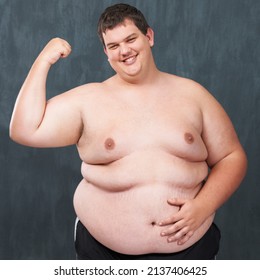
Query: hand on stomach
[[128, 221]]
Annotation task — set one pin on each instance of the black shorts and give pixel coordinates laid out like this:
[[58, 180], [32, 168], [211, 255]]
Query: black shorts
[[88, 248]]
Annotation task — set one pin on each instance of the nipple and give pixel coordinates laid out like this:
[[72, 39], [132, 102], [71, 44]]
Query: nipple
[[189, 138], [109, 144]]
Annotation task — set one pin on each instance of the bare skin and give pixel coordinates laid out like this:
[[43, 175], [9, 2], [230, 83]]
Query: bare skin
[[146, 139]]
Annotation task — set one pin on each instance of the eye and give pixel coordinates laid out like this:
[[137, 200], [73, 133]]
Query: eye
[[113, 47], [131, 40]]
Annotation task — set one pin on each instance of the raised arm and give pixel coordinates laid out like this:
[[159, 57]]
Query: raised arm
[[41, 123]]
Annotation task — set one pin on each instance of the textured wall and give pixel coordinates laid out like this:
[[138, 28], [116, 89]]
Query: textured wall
[[213, 42]]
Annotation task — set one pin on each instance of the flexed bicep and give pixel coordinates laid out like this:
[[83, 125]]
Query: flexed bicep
[[61, 124], [36, 122]]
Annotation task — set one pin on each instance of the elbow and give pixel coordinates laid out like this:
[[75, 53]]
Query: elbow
[[244, 162], [15, 136], [234, 162], [240, 163], [24, 137], [19, 135], [12, 133]]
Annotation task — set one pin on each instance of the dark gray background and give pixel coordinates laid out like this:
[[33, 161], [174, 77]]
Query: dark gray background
[[215, 42]]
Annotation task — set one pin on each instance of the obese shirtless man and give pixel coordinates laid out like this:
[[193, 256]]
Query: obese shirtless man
[[159, 154]]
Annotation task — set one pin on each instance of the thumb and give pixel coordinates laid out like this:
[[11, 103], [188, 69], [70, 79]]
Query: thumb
[[176, 201]]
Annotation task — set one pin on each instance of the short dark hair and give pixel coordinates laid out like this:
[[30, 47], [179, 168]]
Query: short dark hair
[[116, 14]]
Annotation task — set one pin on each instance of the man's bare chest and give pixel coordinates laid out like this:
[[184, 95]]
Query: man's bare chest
[[115, 130]]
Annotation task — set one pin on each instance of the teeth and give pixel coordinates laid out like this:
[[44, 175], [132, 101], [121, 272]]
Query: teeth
[[130, 59]]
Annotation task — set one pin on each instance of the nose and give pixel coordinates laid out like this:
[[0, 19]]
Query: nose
[[124, 50]]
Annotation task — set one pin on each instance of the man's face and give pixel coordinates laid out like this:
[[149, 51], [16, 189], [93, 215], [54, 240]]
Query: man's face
[[127, 48]]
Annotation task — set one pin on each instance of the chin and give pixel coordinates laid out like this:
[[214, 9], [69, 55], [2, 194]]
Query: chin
[[133, 73]]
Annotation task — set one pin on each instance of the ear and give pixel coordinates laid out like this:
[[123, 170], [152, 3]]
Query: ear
[[150, 36], [105, 50]]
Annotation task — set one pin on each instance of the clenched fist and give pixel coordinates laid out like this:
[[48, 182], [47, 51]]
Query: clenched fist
[[55, 49]]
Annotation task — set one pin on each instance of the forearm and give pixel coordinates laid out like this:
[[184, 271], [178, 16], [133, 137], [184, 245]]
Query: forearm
[[224, 179], [31, 101]]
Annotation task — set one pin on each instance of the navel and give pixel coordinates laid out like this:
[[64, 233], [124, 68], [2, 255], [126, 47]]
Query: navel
[[188, 138], [109, 144]]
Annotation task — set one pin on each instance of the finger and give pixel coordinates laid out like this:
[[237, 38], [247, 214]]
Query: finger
[[173, 229], [185, 238], [166, 222], [64, 54], [178, 236], [66, 43], [171, 220], [68, 46], [176, 201], [66, 51]]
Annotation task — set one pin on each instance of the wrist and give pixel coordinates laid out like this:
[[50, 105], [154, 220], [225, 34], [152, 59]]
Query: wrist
[[42, 63], [204, 206]]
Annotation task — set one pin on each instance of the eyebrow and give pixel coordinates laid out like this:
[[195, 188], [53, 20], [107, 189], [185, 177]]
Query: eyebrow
[[125, 39]]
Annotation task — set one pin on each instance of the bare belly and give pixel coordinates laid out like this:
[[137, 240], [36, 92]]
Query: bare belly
[[126, 220]]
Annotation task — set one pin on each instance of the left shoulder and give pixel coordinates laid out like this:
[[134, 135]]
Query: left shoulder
[[188, 88], [183, 82]]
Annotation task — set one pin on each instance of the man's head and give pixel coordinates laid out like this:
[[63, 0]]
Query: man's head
[[117, 14]]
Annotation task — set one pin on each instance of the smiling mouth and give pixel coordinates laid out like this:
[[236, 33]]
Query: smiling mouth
[[130, 60]]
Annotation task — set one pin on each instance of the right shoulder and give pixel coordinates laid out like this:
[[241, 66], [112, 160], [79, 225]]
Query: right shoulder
[[87, 89]]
